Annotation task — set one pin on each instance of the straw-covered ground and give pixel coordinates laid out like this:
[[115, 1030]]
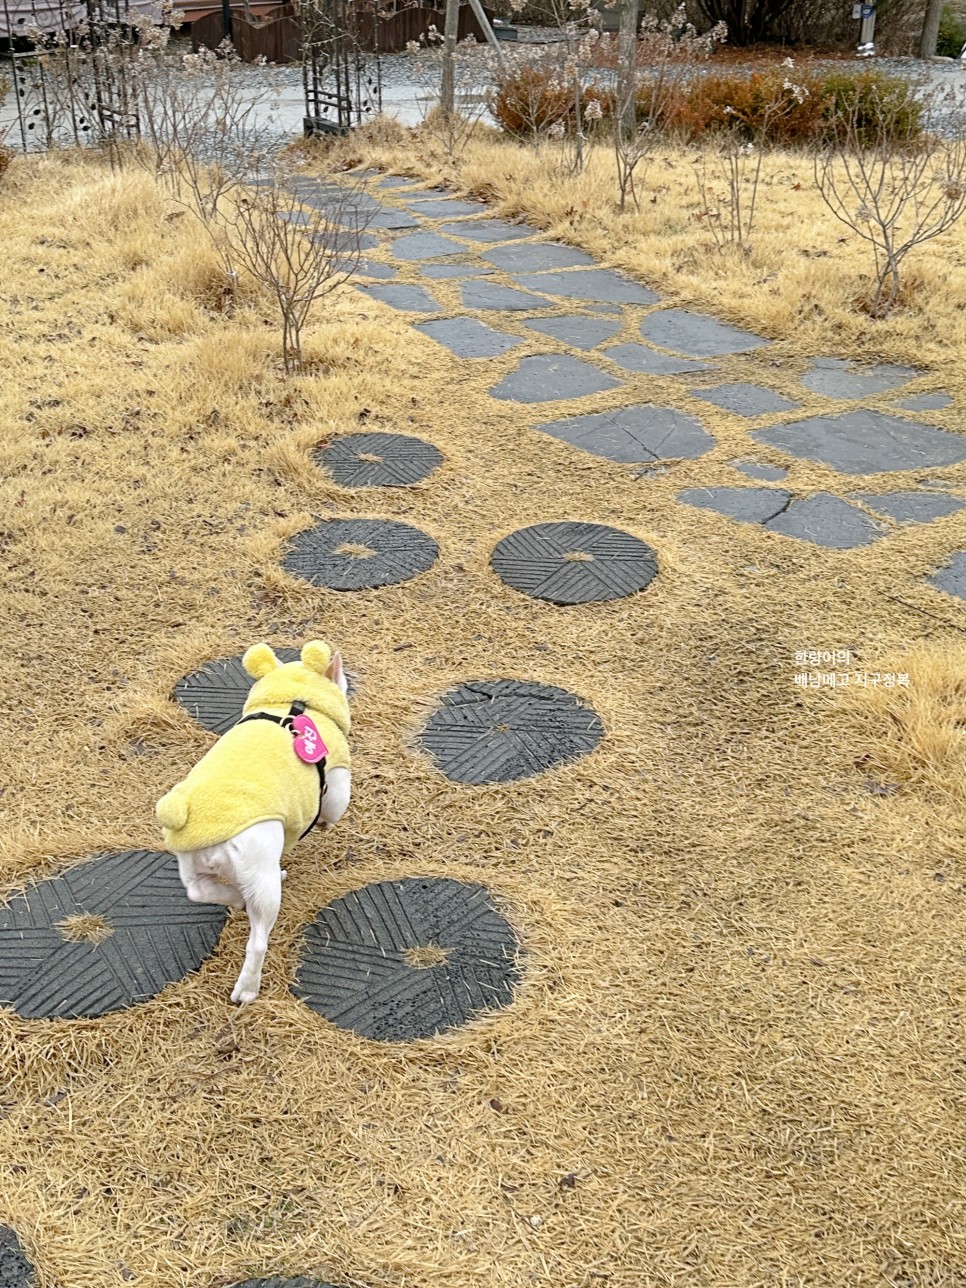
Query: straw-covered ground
[[736, 1056]]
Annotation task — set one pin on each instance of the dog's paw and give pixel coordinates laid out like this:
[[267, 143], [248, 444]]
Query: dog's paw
[[241, 994], [284, 873]]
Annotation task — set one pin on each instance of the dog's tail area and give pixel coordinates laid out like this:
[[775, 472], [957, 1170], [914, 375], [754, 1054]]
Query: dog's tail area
[[172, 810]]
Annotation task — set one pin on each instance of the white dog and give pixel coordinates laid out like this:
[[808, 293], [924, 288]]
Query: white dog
[[281, 769]]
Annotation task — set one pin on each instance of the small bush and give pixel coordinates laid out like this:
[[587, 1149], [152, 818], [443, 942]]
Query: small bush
[[533, 99], [881, 103], [952, 33], [6, 156]]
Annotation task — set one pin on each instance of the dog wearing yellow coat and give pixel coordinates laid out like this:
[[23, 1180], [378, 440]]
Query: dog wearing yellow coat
[[281, 769]]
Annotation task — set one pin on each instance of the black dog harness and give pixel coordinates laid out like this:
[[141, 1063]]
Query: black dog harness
[[296, 709]]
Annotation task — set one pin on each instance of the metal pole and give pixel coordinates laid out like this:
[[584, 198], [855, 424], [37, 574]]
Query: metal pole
[[866, 47], [447, 84], [488, 31]]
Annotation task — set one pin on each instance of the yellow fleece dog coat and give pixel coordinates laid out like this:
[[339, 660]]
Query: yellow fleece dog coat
[[252, 773]]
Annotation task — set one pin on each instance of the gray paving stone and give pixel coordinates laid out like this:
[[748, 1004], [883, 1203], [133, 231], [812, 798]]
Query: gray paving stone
[[639, 358], [455, 270], [828, 521], [15, 1270], [394, 220], [634, 434], [577, 330], [745, 399], [425, 246], [952, 578], [537, 256], [411, 299], [925, 402], [468, 338], [866, 442], [747, 504], [394, 181], [445, 207], [697, 335], [589, 284], [489, 230], [372, 268], [551, 378], [911, 507], [758, 470], [491, 295], [839, 378]]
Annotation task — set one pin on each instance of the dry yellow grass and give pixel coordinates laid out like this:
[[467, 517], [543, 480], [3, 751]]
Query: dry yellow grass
[[736, 1055]]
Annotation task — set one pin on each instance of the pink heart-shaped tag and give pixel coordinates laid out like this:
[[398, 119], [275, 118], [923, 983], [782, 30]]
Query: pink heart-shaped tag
[[308, 742]]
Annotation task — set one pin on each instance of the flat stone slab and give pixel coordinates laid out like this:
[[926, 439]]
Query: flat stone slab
[[491, 295], [839, 378], [574, 563], [372, 268], [215, 694], [697, 335], [378, 460], [15, 1270], [425, 246], [156, 937], [746, 504], [359, 554], [952, 578], [827, 521], [499, 731], [455, 270], [393, 220], [577, 330], [445, 207], [537, 256], [759, 470], [409, 299], [468, 337], [408, 959], [488, 230], [552, 378], [866, 442], [745, 399], [639, 358], [925, 402], [394, 181], [911, 507], [598, 284], [634, 434]]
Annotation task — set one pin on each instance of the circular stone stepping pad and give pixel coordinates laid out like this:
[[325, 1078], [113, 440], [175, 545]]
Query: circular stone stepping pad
[[696, 335], [574, 563], [498, 731], [401, 460], [215, 694], [403, 960], [154, 937], [360, 554], [552, 378], [15, 1270]]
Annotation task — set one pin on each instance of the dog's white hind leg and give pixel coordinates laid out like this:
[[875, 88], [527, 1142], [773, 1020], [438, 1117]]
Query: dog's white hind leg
[[259, 876], [338, 789]]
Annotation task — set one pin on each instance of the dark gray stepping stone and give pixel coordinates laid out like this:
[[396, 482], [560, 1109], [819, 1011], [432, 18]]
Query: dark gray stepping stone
[[156, 937], [827, 521], [490, 295], [866, 442], [359, 554], [745, 399], [574, 563], [911, 507], [409, 299], [468, 337], [345, 242], [925, 402], [215, 694], [408, 959], [498, 731], [455, 270], [697, 335], [488, 230], [746, 504], [552, 378], [425, 246], [372, 268], [276, 1282], [838, 378], [15, 1270], [758, 470], [394, 181], [634, 434], [590, 284], [537, 256], [577, 330], [394, 220], [952, 578], [637, 357], [348, 206], [400, 460], [445, 207]]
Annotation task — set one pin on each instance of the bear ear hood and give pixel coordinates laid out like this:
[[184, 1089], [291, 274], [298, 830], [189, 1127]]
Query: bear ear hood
[[259, 660], [279, 685], [316, 655]]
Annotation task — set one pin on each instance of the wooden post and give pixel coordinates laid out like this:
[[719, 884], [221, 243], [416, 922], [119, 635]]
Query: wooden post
[[930, 28], [447, 88], [627, 68]]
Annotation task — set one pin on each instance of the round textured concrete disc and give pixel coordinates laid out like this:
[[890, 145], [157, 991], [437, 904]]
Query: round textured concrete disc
[[496, 731], [360, 554], [379, 460], [154, 936], [15, 1270], [406, 959], [574, 563], [215, 694]]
